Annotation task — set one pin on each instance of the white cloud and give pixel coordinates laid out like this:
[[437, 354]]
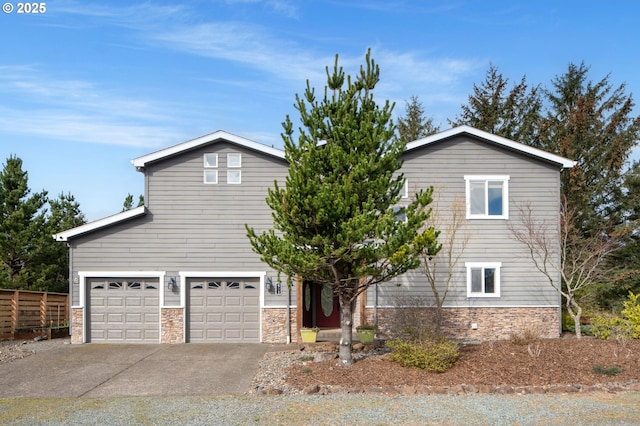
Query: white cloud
[[79, 111]]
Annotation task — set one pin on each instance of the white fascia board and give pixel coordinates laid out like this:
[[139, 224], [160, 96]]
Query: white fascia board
[[499, 140], [141, 162], [100, 223]]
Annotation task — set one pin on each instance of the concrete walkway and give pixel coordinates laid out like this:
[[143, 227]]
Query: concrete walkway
[[100, 370]]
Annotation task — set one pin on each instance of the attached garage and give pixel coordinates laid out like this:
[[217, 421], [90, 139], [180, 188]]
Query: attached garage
[[123, 310], [223, 309]]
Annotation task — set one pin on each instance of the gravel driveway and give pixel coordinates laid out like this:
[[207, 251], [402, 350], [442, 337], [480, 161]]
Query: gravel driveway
[[593, 408], [362, 409]]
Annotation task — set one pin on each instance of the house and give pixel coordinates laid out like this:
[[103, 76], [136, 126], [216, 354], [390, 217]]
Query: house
[[181, 269]]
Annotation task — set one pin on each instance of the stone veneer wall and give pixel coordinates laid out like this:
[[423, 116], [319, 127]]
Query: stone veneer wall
[[77, 325], [274, 325], [492, 323], [172, 325]]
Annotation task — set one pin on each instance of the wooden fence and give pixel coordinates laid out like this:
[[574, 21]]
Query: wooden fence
[[24, 312]]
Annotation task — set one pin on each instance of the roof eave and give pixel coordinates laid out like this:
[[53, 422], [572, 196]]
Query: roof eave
[[100, 223], [141, 162], [565, 163]]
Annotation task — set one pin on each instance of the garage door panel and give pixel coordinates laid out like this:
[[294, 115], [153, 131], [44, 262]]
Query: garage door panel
[[250, 301], [251, 334], [115, 301], [233, 301], [134, 318], [214, 334], [151, 302], [250, 317], [230, 311], [135, 302], [97, 301], [214, 317], [233, 317], [214, 301]]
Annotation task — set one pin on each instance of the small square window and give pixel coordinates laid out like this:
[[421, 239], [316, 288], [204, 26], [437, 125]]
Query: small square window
[[234, 177], [210, 161], [234, 160], [211, 176], [483, 279]]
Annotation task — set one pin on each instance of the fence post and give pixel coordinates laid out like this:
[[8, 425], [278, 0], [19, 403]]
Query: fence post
[[43, 310], [14, 312]]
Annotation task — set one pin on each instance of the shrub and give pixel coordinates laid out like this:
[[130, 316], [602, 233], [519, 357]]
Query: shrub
[[607, 371], [631, 312], [604, 326], [567, 322], [435, 354], [526, 335]]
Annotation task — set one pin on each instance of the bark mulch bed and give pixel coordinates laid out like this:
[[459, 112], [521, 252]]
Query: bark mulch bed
[[565, 363]]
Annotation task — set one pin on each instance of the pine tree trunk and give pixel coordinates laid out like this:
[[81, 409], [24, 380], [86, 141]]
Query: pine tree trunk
[[346, 323]]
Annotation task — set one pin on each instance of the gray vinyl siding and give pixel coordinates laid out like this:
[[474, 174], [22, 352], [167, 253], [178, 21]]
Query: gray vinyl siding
[[532, 182], [190, 225]]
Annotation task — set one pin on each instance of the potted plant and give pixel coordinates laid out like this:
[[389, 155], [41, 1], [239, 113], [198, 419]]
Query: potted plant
[[309, 334], [366, 333]]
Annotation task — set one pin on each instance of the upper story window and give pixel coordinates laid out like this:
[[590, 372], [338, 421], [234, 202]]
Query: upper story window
[[210, 166], [483, 279], [404, 192], [487, 197], [234, 162]]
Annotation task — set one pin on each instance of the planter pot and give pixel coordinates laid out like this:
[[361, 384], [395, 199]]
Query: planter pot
[[308, 336], [366, 336]]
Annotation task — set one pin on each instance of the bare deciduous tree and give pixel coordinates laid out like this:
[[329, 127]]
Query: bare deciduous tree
[[569, 260], [442, 268]]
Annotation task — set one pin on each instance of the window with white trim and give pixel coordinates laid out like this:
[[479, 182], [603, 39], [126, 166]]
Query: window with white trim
[[234, 161], [400, 214], [404, 192], [483, 279], [487, 197], [210, 168]]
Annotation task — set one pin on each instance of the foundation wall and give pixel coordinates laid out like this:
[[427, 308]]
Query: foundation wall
[[274, 325], [172, 325], [470, 323]]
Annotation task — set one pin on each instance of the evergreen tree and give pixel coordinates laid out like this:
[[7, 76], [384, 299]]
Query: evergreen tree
[[50, 272], [128, 202], [513, 114], [335, 218], [414, 125], [22, 224], [591, 123]]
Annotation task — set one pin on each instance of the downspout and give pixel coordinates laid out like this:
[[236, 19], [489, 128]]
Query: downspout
[[289, 314], [375, 307]]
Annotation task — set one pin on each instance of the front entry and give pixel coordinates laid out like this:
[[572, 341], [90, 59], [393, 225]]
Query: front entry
[[321, 308]]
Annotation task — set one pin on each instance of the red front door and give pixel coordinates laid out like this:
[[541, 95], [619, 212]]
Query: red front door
[[321, 307], [327, 307]]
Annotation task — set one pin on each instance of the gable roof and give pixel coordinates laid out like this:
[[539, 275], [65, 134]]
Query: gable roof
[[100, 223], [494, 139], [220, 135]]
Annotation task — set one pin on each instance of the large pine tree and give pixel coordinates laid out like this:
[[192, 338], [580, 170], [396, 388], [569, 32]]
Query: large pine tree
[[415, 124], [512, 112], [22, 224], [591, 123], [334, 220]]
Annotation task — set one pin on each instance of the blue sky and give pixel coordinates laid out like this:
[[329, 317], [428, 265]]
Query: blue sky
[[87, 85]]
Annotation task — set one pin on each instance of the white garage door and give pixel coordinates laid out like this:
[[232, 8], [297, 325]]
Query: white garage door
[[223, 310], [124, 310]]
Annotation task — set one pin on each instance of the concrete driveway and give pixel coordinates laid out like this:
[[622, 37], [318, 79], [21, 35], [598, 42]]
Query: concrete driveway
[[99, 370]]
